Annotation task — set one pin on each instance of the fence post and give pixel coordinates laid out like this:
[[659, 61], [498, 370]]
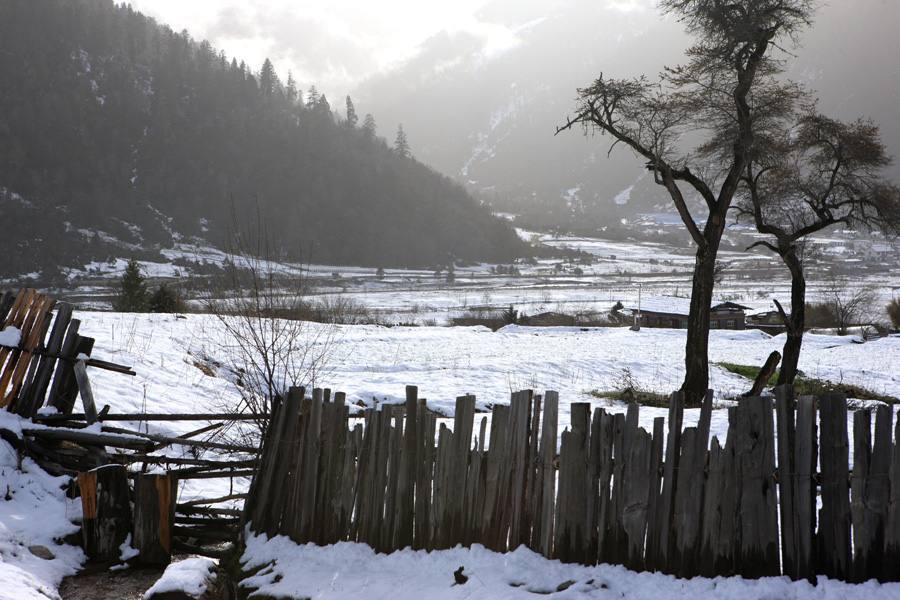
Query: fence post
[[834, 518]]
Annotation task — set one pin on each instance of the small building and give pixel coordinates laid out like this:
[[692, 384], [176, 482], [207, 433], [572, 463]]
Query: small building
[[672, 312], [769, 319]]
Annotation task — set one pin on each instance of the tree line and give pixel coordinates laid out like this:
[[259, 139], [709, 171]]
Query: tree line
[[115, 123]]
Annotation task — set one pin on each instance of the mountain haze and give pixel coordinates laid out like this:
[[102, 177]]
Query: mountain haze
[[119, 137], [489, 119]]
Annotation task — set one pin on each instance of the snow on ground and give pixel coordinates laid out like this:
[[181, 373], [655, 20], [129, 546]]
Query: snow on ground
[[191, 576], [33, 512], [349, 571], [175, 360], [373, 364]]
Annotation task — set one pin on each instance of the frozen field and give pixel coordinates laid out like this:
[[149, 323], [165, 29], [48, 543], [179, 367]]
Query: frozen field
[[617, 270], [372, 364]]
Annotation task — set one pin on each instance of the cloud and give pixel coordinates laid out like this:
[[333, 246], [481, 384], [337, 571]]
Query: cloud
[[333, 45]]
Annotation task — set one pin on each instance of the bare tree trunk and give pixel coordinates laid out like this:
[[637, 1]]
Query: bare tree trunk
[[696, 351], [796, 321]]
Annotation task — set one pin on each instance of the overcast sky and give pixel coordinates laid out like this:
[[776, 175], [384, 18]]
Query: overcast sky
[[333, 43]]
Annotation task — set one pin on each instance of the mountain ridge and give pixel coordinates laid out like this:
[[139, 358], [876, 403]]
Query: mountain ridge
[[124, 137]]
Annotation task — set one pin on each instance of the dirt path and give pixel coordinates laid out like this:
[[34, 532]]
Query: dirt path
[[127, 584]]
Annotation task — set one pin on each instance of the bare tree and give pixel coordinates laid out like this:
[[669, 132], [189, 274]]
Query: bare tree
[[260, 305], [716, 99], [848, 305], [809, 173]]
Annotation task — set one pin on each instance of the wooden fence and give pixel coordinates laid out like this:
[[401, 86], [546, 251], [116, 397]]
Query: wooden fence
[[35, 371], [614, 493], [44, 364]]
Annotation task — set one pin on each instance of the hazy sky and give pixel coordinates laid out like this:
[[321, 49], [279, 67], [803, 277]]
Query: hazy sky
[[333, 43]]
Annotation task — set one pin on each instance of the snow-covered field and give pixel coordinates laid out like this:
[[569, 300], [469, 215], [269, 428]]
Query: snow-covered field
[[373, 364], [175, 357], [616, 271]]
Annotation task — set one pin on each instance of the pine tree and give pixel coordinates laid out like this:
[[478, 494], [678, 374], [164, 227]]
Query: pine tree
[[291, 89], [312, 97], [368, 127], [322, 106], [352, 119], [164, 300], [133, 290], [401, 145], [268, 79]]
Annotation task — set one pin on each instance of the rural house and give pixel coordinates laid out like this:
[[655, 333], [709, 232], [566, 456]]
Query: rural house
[[672, 312]]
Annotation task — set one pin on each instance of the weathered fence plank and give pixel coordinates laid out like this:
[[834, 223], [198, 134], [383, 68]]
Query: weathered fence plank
[[154, 517], [834, 518], [106, 510], [548, 475]]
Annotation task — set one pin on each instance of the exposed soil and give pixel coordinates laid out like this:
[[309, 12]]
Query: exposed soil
[[97, 582], [103, 584]]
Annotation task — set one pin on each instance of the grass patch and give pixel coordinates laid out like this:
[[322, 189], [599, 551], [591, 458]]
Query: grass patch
[[750, 372], [628, 390], [810, 386], [640, 397]]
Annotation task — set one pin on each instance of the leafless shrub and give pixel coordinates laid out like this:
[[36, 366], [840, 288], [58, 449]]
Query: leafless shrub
[[848, 305], [266, 345]]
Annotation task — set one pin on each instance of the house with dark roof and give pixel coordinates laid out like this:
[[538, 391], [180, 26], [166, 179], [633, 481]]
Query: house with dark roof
[[671, 312]]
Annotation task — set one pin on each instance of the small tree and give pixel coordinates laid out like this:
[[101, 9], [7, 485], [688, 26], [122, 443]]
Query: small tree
[[369, 128], [893, 311], [401, 144], [351, 113], [265, 344], [848, 305], [132, 295], [165, 300], [510, 316]]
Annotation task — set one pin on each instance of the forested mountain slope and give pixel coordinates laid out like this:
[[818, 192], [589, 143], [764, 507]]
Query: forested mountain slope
[[119, 136]]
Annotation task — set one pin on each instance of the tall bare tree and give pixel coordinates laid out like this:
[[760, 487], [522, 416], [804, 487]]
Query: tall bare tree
[[707, 100], [813, 173]]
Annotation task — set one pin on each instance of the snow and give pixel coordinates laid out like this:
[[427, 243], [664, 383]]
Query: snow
[[191, 576], [33, 511], [126, 550], [373, 364], [351, 571], [624, 196], [10, 336]]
